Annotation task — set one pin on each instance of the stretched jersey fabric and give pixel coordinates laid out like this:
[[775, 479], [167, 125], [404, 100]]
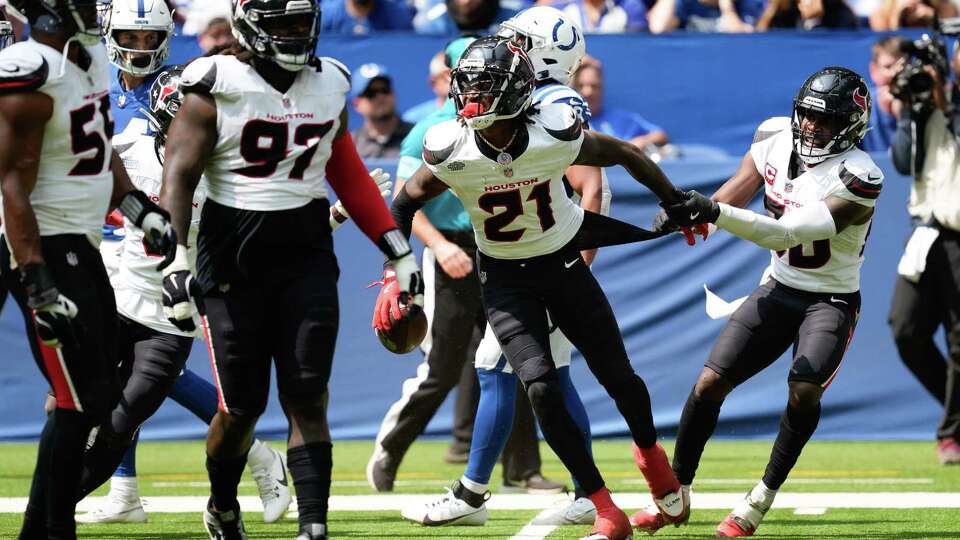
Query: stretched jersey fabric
[[272, 147], [137, 282], [518, 209], [831, 265], [74, 182]]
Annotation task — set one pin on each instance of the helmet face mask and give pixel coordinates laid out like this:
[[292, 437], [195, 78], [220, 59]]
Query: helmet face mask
[[282, 31], [493, 81], [552, 40], [143, 16], [831, 113]]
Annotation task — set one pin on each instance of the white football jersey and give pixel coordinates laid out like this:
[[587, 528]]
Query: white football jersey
[[831, 265], [74, 182], [520, 209], [272, 148], [137, 282]]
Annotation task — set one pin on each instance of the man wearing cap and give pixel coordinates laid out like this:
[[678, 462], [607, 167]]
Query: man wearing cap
[[383, 130], [457, 323]]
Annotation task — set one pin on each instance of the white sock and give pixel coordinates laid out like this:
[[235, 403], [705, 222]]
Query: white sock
[[686, 490], [259, 456], [475, 487], [124, 487], [762, 495]]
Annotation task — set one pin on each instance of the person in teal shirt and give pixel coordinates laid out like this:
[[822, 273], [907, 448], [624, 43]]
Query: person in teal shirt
[[454, 307]]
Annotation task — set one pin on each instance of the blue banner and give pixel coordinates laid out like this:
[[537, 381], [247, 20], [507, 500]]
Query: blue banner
[[656, 289]]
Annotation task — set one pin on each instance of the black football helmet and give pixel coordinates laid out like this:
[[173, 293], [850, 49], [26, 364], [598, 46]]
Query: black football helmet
[[74, 18], [493, 80], [839, 95], [282, 31], [165, 101]]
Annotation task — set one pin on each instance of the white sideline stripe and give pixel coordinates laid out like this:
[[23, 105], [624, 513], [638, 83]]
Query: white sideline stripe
[[810, 511], [534, 532], [166, 484], [538, 502], [753, 481]]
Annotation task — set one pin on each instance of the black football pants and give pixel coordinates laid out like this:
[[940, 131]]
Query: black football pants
[[917, 310], [517, 295], [82, 376]]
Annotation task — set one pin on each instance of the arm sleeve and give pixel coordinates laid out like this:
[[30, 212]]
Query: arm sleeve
[[350, 180], [404, 208], [800, 226]]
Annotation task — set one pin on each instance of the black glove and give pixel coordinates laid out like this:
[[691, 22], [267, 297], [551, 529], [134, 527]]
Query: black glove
[[179, 289], [54, 315], [694, 209], [662, 223], [158, 235]]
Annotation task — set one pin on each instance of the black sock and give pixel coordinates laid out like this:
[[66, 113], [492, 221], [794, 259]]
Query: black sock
[[310, 466], [697, 423], [224, 477], [796, 428], [562, 433], [475, 500], [101, 460], [68, 440]]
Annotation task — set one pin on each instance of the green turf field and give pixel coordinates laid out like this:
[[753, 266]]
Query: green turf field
[[176, 469]]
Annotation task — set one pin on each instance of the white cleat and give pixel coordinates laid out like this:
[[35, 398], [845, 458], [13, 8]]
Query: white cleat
[[577, 512], [116, 509], [446, 510], [271, 479]]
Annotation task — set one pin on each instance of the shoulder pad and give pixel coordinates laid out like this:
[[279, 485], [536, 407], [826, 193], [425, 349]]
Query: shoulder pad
[[860, 175], [440, 141], [199, 76], [561, 121], [771, 127], [22, 69], [338, 67]]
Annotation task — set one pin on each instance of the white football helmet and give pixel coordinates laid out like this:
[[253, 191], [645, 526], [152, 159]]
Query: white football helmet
[[150, 15], [554, 43]]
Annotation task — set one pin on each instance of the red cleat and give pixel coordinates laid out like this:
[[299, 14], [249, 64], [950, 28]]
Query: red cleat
[[672, 509], [610, 525], [735, 526], [948, 450], [655, 466]]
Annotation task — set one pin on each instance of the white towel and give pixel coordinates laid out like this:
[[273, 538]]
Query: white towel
[[914, 259]]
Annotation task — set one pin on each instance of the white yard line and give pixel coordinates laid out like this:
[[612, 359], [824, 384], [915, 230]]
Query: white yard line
[[800, 481], [395, 502], [535, 532]]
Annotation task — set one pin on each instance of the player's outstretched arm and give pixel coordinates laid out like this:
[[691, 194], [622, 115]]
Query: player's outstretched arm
[[415, 193], [23, 118], [601, 150], [803, 225], [743, 186], [588, 183], [339, 214]]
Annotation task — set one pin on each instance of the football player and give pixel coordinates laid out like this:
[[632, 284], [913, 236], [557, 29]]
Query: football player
[[59, 177], [820, 191], [138, 35], [265, 128], [505, 160], [152, 350], [555, 47], [457, 322]]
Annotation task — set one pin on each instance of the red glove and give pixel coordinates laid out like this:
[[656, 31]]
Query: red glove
[[387, 301], [702, 229]]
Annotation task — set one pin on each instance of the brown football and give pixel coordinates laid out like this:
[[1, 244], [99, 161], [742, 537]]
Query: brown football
[[406, 333]]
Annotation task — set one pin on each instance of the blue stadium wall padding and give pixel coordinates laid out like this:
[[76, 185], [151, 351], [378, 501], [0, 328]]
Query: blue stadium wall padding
[[656, 289]]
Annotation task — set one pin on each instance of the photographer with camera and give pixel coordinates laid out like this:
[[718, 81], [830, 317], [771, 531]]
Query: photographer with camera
[[927, 294]]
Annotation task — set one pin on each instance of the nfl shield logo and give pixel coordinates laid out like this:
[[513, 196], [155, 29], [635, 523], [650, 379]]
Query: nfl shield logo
[[72, 258], [286, 103]]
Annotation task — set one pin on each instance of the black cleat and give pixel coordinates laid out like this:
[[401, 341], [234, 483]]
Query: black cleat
[[381, 470]]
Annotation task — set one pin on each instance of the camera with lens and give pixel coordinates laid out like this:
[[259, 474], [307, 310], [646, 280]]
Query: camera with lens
[[914, 83]]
